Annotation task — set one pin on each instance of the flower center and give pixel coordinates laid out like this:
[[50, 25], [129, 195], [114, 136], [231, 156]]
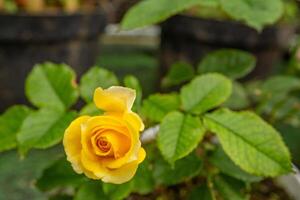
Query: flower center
[[103, 144]]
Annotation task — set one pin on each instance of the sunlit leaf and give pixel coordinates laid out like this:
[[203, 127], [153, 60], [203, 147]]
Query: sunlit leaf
[[230, 62], [250, 142], [51, 85], [93, 78], [179, 134], [205, 92], [10, 122]]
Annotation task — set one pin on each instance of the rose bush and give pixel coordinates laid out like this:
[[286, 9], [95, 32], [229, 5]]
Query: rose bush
[[107, 147]]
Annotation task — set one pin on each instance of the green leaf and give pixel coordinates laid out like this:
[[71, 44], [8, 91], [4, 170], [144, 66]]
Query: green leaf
[[179, 135], [93, 78], [51, 85], [61, 197], [239, 98], [200, 191], [156, 106], [10, 122], [291, 136], [205, 92], [179, 73], [43, 129], [226, 166], [232, 63], [230, 189], [143, 182], [132, 82], [17, 175], [91, 190], [254, 13], [183, 170], [280, 85], [117, 192], [274, 95], [153, 11], [59, 174], [90, 109], [250, 142]]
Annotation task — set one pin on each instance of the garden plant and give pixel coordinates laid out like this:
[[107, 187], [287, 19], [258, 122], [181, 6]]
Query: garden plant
[[203, 140]]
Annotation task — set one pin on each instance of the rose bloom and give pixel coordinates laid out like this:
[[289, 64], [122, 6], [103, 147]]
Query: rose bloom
[[107, 147]]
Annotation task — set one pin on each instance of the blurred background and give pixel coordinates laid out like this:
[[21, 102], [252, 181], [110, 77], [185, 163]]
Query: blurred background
[[88, 33]]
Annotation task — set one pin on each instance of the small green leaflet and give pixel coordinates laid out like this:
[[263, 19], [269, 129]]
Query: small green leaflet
[[179, 73], [255, 13], [205, 92], [43, 129], [10, 122], [51, 85], [229, 62], [156, 106], [153, 11], [93, 78], [179, 135]]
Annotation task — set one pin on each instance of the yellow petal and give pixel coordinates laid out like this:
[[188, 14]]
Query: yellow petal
[[93, 164], [114, 99], [134, 120], [142, 155], [131, 155], [119, 142], [122, 174], [100, 124], [72, 142]]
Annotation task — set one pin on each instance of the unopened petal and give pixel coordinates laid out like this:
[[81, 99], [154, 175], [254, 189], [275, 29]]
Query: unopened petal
[[114, 99], [134, 120]]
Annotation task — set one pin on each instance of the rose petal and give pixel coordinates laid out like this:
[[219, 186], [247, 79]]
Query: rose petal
[[72, 144], [122, 174], [114, 99], [93, 164], [134, 120], [131, 155]]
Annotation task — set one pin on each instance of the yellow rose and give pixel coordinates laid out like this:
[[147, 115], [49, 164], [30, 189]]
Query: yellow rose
[[107, 147]]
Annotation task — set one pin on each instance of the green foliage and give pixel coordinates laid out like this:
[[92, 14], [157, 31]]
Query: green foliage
[[91, 110], [154, 11], [93, 78], [239, 98], [59, 174], [143, 181], [183, 170], [91, 190], [250, 142], [156, 106], [117, 192], [291, 136], [232, 63], [280, 85], [132, 82], [51, 85], [43, 129], [205, 92], [179, 135], [255, 13], [200, 191], [229, 188], [178, 74], [226, 166], [276, 99], [10, 123], [181, 155]]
